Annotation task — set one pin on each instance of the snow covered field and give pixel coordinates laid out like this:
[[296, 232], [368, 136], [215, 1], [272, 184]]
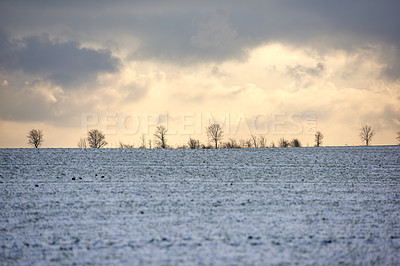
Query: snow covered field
[[247, 206]]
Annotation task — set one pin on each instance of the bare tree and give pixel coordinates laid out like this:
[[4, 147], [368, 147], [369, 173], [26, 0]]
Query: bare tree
[[318, 138], [194, 143], [143, 141], [215, 133], [398, 138], [149, 143], [366, 134], [254, 140], [35, 138], [262, 141], [160, 136], [283, 143], [96, 139], [82, 144], [295, 143]]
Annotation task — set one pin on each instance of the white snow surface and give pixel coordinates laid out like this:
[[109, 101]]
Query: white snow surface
[[327, 205]]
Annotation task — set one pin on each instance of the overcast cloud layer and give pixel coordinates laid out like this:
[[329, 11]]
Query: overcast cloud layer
[[59, 59]]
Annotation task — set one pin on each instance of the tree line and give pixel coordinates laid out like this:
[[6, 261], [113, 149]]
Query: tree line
[[97, 139]]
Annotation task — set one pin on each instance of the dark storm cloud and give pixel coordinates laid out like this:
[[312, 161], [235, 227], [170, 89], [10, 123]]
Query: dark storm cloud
[[26, 103], [21, 105], [209, 38], [64, 63], [392, 71], [196, 31]]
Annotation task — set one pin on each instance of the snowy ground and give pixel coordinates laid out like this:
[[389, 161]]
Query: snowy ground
[[246, 206]]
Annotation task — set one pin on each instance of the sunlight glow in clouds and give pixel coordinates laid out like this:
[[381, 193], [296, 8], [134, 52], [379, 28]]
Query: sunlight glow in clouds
[[216, 63]]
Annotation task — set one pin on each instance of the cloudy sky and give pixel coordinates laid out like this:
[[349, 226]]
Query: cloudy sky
[[280, 68]]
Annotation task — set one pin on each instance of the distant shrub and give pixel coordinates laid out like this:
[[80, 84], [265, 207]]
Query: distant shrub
[[295, 143], [283, 143]]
